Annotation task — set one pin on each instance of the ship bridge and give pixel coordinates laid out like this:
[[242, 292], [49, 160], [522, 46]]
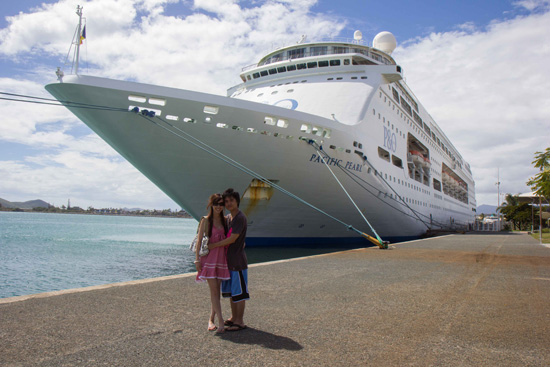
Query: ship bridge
[[334, 79], [315, 55]]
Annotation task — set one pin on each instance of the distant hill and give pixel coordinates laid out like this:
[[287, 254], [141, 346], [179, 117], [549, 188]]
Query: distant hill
[[487, 209], [24, 205]]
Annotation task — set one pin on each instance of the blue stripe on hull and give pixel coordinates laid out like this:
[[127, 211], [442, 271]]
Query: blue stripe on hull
[[344, 242]]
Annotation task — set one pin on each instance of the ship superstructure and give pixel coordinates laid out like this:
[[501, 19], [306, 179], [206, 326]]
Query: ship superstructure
[[340, 102]]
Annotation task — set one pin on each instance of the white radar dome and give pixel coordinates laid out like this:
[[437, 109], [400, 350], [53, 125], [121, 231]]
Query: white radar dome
[[357, 35], [385, 42]]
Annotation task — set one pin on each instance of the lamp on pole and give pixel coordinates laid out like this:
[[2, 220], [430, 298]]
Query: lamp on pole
[[498, 197]]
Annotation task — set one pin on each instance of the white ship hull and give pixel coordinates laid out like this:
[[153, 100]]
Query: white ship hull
[[238, 129]]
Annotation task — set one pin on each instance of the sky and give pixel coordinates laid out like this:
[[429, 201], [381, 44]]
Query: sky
[[479, 67]]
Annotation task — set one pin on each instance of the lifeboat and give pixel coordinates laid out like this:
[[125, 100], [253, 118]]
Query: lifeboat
[[426, 164], [417, 157]]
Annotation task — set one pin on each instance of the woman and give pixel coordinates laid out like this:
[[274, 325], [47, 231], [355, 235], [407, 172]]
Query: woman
[[213, 267]]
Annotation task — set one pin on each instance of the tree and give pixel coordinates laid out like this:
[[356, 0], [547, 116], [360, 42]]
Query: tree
[[517, 213], [540, 184]]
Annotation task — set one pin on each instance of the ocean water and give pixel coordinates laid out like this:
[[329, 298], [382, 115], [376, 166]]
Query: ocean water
[[43, 252]]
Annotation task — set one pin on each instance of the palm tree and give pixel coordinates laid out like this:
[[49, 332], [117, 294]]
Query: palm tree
[[509, 208]]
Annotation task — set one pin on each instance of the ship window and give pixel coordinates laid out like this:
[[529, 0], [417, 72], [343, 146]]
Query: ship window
[[272, 71], [327, 133], [274, 92], [301, 66], [323, 64], [263, 72], [406, 106], [158, 102], [330, 78], [363, 77], [346, 61], [353, 77], [360, 146], [251, 130], [213, 110], [312, 65], [355, 144], [291, 67], [297, 53], [248, 77], [348, 151], [303, 81], [319, 50], [139, 99], [384, 154], [437, 185], [256, 75], [277, 57], [290, 91], [397, 161], [339, 50], [282, 123], [261, 94], [223, 126], [317, 131], [238, 128], [417, 118], [305, 128], [334, 62], [332, 147], [339, 78], [187, 119], [269, 120], [172, 117], [281, 69], [395, 95]]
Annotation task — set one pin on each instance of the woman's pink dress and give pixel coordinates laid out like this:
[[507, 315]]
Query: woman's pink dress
[[214, 265]]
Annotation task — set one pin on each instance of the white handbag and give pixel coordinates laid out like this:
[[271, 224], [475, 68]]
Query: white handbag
[[203, 250]]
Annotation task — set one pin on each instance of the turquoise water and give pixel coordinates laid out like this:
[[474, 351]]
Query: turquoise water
[[45, 252]]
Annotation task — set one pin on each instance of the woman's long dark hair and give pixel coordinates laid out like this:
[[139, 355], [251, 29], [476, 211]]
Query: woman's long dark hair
[[215, 199]]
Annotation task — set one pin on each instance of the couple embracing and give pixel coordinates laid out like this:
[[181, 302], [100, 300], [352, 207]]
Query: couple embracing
[[225, 266]]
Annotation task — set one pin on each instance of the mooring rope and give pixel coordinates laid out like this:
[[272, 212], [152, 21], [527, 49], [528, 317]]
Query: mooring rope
[[214, 152], [205, 147], [317, 147], [379, 240]]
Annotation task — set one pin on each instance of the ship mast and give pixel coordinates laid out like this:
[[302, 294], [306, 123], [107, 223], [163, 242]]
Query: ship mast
[[79, 34]]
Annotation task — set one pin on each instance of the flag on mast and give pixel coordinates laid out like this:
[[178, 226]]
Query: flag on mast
[[83, 35]]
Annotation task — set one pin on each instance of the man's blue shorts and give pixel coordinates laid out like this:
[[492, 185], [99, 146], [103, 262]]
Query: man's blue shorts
[[237, 286]]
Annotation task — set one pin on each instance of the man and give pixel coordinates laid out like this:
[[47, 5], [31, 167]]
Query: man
[[237, 286]]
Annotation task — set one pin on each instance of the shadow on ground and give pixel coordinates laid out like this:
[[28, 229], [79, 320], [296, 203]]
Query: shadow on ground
[[261, 338]]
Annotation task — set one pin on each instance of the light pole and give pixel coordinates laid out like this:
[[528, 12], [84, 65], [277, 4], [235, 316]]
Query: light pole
[[498, 196]]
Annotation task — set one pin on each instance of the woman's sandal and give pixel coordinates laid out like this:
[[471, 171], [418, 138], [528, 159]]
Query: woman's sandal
[[237, 326]]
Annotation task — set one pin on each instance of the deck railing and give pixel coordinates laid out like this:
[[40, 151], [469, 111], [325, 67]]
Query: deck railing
[[350, 50]]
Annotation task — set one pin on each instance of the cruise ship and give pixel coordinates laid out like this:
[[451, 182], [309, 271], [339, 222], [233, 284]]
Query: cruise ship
[[331, 122]]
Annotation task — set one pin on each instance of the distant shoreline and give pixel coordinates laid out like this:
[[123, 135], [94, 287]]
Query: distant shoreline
[[180, 216]]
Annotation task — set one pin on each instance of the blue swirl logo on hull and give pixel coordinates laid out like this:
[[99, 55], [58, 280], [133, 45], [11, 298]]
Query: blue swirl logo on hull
[[290, 104]]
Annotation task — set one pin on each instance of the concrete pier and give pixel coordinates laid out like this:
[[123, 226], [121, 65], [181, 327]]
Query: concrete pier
[[458, 300]]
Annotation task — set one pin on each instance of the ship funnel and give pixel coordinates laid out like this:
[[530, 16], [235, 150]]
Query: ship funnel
[[385, 42]]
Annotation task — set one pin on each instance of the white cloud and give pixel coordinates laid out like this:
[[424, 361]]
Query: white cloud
[[532, 5], [86, 180], [131, 40], [488, 90]]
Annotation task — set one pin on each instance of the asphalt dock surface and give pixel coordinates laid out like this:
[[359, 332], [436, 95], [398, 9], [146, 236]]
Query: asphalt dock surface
[[458, 300]]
